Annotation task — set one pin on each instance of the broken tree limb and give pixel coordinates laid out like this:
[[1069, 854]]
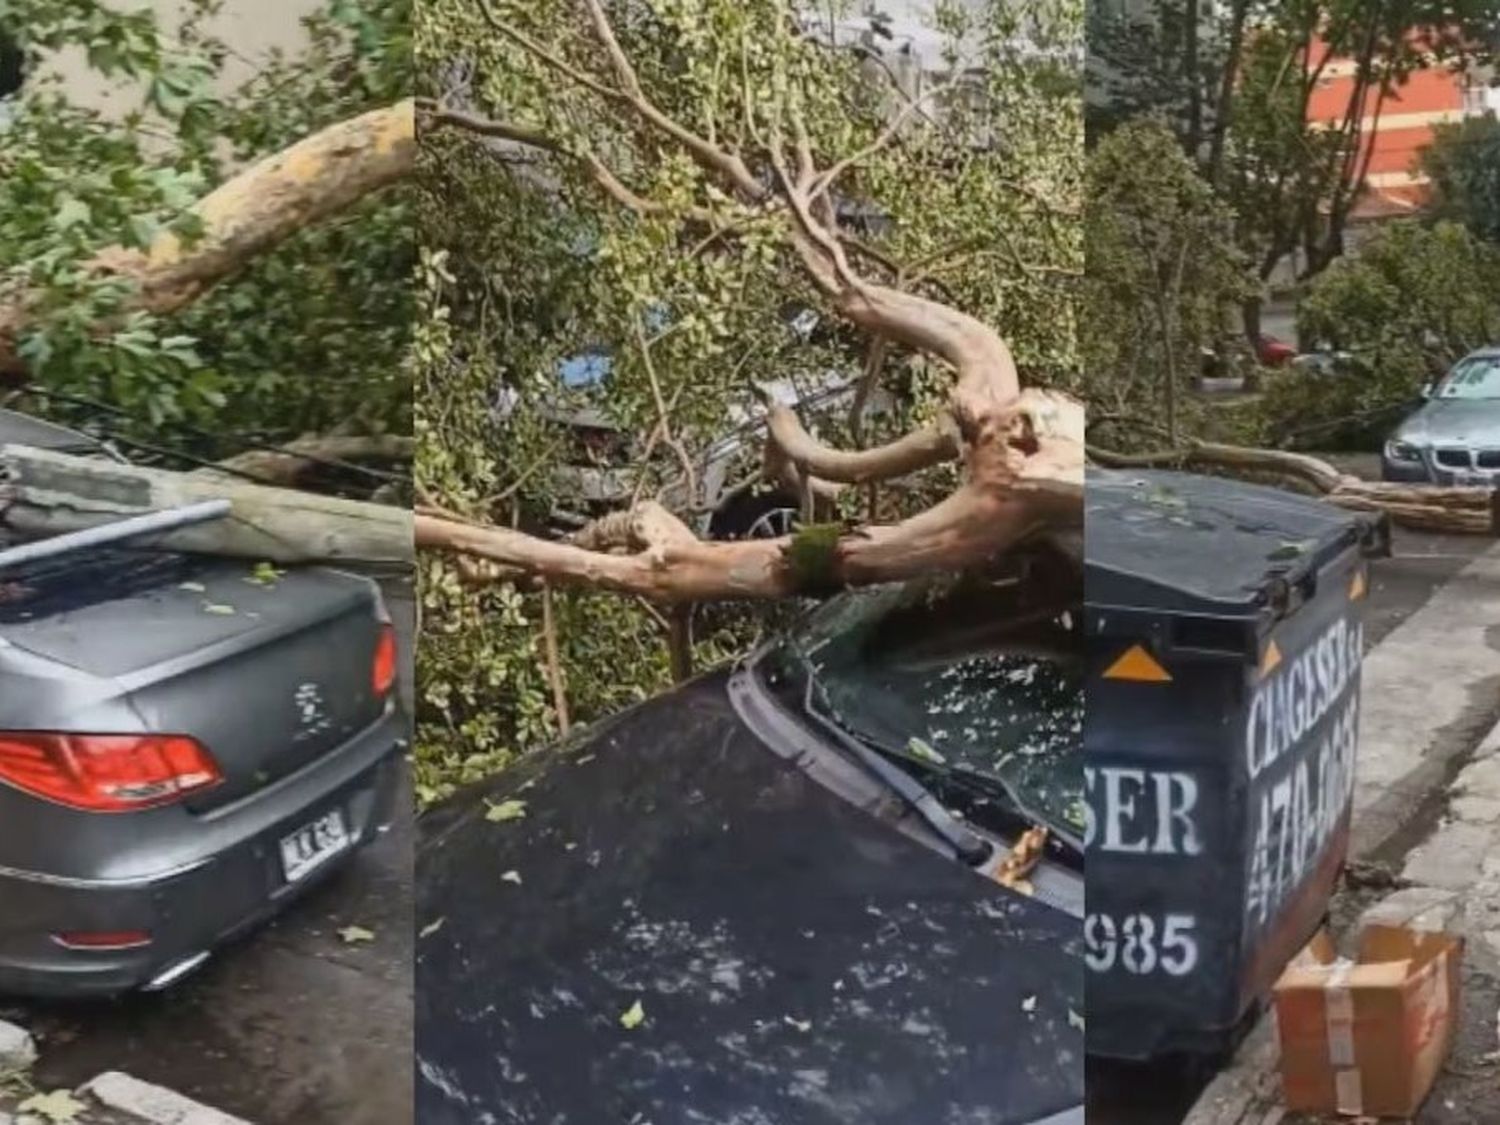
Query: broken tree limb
[[1021, 451], [287, 464], [910, 453], [1459, 510], [1024, 483], [48, 493], [251, 213]]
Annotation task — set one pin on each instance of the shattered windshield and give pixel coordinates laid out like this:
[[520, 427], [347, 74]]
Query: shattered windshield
[[954, 675]]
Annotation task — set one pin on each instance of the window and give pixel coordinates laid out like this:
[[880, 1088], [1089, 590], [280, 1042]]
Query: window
[[951, 672], [1477, 377]]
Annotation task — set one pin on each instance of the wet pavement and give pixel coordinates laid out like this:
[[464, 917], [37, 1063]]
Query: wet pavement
[[290, 1026], [1162, 1092]]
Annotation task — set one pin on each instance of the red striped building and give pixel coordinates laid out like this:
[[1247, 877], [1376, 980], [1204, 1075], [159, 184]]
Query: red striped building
[[1398, 127]]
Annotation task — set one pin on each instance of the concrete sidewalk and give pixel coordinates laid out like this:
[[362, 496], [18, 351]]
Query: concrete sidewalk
[[1425, 805]]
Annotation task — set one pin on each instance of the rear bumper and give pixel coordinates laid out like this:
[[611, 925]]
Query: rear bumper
[[196, 906]]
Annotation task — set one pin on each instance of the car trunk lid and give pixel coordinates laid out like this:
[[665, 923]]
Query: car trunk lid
[[270, 670]]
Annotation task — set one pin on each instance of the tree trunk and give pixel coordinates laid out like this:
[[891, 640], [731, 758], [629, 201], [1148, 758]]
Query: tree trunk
[[49, 493], [1250, 314], [1190, 31]]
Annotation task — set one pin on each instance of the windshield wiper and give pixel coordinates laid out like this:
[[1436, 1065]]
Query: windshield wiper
[[993, 785], [968, 845]]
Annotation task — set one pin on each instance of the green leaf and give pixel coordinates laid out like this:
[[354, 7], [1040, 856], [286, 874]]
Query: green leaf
[[505, 810], [71, 213], [355, 935], [58, 1106], [633, 1016], [918, 748]]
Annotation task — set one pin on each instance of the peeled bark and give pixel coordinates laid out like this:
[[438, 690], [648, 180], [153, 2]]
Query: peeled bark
[[253, 212]]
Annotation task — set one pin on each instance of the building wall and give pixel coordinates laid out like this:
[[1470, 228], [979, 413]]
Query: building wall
[[252, 28], [1397, 129]]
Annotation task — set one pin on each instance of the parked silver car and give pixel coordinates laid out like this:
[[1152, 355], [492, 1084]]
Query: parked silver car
[[187, 744], [1454, 439]]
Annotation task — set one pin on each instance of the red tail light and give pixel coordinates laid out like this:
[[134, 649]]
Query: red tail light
[[104, 940], [106, 772], [384, 673]]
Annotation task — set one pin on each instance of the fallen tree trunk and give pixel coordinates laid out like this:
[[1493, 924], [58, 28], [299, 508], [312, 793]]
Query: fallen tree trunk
[[1459, 510], [47, 493]]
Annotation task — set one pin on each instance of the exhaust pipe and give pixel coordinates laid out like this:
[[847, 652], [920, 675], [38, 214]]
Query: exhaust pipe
[[175, 972]]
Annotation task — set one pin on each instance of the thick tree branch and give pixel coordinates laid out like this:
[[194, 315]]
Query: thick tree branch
[[1462, 510], [917, 450], [1025, 481], [250, 214]]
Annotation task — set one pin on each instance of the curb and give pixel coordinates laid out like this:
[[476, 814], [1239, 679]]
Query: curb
[[154, 1104], [17, 1050]]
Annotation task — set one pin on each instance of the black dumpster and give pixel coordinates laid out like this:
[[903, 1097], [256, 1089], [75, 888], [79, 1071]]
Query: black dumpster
[[1224, 646]]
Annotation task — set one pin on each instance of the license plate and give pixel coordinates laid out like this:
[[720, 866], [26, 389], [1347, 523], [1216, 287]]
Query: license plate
[[1463, 478], [313, 845]]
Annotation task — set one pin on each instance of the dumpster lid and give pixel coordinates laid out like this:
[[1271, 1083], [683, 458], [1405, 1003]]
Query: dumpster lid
[[1184, 543]]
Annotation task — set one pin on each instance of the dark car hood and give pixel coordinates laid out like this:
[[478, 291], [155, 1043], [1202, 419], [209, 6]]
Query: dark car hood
[[798, 961], [1462, 422]]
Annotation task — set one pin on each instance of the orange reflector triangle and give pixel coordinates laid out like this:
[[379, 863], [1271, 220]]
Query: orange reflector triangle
[[1139, 665], [1271, 659], [1357, 586]]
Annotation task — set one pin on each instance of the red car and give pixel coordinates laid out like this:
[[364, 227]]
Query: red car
[[1271, 352]]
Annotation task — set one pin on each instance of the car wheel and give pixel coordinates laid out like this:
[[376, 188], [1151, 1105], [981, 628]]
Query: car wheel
[[755, 517]]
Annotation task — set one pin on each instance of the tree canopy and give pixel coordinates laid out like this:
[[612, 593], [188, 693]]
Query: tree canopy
[[307, 332], [651, 217]]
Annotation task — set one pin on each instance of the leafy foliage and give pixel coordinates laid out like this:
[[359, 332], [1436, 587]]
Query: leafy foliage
[[308, 338], [539, 280], [1413, 302], [1237, 83], [1464, 163], [1162, 269]]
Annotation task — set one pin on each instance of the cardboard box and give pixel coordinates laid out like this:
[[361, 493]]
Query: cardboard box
[[1367, 1037]]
